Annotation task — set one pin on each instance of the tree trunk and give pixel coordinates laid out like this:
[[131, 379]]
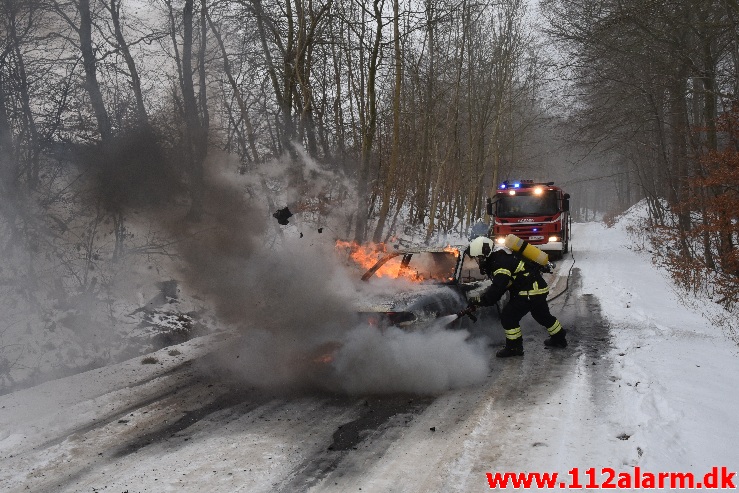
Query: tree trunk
[[368, 134], [8, 174], [204, 115], [425, 168], [29, 122], [390, 178], [195, 139], [115, 10], [89, 62], [282, 90]]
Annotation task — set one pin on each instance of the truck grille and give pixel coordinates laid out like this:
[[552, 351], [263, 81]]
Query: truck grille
[[534, 233]]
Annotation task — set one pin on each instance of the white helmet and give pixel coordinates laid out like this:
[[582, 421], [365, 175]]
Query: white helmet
[[481, 246]]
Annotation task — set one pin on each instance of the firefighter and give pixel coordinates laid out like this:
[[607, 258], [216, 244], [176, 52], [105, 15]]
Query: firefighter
[[528, 294]]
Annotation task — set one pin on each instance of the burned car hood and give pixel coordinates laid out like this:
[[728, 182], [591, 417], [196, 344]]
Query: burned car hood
[[433, 300]]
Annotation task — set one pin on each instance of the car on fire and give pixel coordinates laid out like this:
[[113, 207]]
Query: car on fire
[[412, 288]]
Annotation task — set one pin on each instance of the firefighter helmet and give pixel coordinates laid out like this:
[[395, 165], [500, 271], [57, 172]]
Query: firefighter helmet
[[481, 246]]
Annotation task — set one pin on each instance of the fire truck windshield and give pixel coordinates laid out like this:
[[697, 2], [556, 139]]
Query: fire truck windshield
[[527, 204]]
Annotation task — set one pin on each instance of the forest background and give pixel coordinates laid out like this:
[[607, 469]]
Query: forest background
[[131, 130]]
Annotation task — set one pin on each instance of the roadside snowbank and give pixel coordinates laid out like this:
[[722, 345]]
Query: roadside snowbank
[[677, 373]]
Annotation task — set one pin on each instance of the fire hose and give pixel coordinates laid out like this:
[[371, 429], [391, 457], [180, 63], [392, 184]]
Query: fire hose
[[567, 283]]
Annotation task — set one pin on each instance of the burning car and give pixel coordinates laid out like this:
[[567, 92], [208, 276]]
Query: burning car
[[415, 287]]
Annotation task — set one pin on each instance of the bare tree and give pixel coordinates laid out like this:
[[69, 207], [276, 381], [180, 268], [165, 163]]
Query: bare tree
[[244, 112], [369, 126], [196, 120], [114, 9], [391, 178], [80, 20]]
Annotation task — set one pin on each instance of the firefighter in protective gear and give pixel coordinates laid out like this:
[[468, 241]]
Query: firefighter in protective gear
[[528, 294]]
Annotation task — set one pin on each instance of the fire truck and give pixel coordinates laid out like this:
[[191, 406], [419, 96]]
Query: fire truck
[[538, 213]]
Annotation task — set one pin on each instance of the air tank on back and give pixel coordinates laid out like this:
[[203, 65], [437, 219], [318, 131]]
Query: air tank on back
[[526, 249]]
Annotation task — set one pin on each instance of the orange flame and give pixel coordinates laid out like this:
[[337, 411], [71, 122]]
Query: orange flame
[[451, 249], [366, 256]]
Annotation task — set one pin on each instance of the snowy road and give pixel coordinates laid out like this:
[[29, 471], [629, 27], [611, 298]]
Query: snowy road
[[184, 425], [637, 392]]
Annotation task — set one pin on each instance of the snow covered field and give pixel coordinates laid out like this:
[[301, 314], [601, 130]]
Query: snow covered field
[[668, 404]]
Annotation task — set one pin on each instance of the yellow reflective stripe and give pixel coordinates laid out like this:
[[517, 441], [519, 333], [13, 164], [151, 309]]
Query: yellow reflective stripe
[[554, 328], [521, 266], [513, 333], [536, 290], [502, 271]]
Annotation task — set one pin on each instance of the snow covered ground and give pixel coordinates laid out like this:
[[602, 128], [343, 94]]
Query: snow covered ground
[[669, 404], [678, 374]]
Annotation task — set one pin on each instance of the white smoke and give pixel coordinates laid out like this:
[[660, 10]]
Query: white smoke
[[431, 361]]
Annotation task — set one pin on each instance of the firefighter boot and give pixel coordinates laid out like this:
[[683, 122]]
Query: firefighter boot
[[557, 340], [513, 347]]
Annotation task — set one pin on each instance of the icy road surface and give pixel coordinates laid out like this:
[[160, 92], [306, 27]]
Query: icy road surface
[[181, 425]]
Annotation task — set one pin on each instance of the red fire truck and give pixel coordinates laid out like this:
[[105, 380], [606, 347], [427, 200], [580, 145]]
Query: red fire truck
[[535, 212]]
